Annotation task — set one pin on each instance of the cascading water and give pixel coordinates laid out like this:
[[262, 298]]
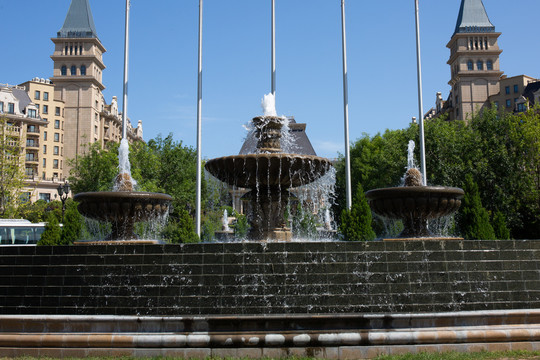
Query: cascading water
[[270, 171]]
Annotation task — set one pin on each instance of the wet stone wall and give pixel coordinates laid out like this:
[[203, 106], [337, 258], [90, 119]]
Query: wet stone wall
[[273, 278]]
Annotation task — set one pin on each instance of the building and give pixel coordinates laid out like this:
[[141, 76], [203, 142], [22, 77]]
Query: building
[[476, 78], [58, 118]]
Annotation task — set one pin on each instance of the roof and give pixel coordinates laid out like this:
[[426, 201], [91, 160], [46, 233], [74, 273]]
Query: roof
[[530, 90], [473, 18], [79, 22], [300, 141], [22, 96]]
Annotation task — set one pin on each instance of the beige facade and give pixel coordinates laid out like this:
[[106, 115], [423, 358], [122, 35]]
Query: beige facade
[[509, 93], [475, 72]]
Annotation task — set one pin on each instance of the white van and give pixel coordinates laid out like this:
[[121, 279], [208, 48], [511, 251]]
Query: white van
[[20, 232]]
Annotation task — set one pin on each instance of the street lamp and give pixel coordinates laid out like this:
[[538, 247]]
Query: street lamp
[[63, 191]]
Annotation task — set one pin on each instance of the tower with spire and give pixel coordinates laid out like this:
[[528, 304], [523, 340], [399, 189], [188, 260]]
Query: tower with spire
[[474, 61]]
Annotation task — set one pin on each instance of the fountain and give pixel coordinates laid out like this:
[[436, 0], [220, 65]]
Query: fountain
[[123, 207], [415, 203], [268, 172]]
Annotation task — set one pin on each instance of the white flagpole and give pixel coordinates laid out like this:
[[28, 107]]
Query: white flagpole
[[420, 102], [346, 109], [126, 59], [199, 108], [274, 48]]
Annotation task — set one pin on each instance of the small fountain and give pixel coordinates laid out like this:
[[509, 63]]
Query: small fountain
[[269, 172], [123, 206], [415, 203]]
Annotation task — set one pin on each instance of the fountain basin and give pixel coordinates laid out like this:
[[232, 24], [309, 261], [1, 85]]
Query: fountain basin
[[122, 209], [268, 170], [415, 205]]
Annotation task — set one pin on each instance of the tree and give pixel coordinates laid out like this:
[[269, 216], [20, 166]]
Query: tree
[[11, 167], [53, 233], [73, 224], [499, 227], [181, 229], [95, 170], [356, 222], [474, 218]]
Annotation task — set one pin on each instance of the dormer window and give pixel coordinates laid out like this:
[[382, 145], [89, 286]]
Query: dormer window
[[32, 113], [11, 108]]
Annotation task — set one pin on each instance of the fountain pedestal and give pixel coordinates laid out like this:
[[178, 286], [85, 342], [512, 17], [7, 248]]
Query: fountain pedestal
[[266, 212]]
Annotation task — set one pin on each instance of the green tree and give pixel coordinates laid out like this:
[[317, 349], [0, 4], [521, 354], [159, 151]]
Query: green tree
[[474, 218], [499, 226], [53, 233], [73, 223], [356, 222], [11, 167], [304, 223], [241, 226], [181, 229], [95, 170]]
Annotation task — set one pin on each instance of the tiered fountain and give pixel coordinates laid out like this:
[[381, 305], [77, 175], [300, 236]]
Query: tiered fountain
[[269, 172], [123, 207], [414, 203]]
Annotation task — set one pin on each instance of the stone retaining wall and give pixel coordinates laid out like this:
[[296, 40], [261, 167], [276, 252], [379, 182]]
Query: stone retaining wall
[[271, 278]]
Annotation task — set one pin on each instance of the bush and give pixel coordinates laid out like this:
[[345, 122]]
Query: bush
[[499, 226], [474, 218], [356, 222], [53, 233], [180, 229]]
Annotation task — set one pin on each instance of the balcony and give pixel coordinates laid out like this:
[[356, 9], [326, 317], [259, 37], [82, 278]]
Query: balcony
[[32, 144]]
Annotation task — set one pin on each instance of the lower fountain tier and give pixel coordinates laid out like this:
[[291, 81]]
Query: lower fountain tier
[[415, 205], [268, 170], [122, 209]]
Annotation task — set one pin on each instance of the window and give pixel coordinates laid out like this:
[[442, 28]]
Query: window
[[45, 109], [56, 137], [508, 103], [57, 124], [480, 65], [29, 171], [66, 52], [521, 107], [46, 96], [469, 65], [496, 104], [516, 89], [55, 164], [57, 111], [489, 65], [44, 162], [64, 70], [32, 113], [44, 149], [55, 150], [37, 95], [83, 70], [11, 108], [73, 70], [32, 129], [1, 107], [507, 90], [45, 196], [95, 129], [45, 135]]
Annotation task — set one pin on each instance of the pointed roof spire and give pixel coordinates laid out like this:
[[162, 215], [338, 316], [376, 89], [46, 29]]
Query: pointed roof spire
[[473, 18], [79, 22]]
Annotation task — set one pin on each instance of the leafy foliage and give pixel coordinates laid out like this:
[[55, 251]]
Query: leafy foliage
[[180, 229], [304, 223], [73, 223], [356, 222], [241, 226], [53, 233], [474, 218], [11, 168]]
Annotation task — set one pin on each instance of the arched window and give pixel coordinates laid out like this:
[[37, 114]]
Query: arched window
[[73, 70], [480, 65], [64, 70], [83, 70], [489, 65], [470, 65]]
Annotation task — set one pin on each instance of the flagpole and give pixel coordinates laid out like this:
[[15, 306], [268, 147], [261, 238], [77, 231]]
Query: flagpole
[[420, 102], [346, 109], [126, 59], [274, 48], [199, 109]]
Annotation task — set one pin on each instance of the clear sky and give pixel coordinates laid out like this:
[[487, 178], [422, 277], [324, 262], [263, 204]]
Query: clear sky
[[236, 60]]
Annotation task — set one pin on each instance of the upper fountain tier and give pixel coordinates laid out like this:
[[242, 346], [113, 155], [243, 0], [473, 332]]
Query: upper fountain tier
[[269, 166]]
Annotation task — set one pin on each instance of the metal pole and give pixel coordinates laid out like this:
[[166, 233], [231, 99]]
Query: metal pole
[[346, 109], [199, 121], [420, 104], [274, 48], [126, 58]]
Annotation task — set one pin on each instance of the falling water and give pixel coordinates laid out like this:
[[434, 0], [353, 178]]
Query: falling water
[[268, 104], [225, 221], [411, 164], [124, 167]]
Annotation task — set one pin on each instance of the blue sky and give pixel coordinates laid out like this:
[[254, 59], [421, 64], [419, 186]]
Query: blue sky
[[236, 60]]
